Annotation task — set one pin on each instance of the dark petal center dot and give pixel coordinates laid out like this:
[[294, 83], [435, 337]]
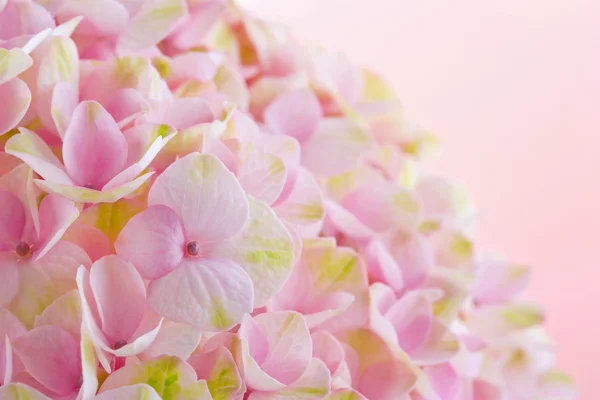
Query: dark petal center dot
[[119, 344], [193, 248], [23, 249]]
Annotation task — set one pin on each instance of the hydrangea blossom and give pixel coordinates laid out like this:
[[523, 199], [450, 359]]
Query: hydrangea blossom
[[193, 205]]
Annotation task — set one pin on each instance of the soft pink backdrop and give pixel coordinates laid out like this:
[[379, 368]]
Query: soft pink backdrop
[[512, 88]]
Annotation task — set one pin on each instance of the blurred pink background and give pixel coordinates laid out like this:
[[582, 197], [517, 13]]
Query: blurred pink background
[[512, 89]]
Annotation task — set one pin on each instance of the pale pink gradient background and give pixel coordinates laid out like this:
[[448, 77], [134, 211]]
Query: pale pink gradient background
[[512, 88]]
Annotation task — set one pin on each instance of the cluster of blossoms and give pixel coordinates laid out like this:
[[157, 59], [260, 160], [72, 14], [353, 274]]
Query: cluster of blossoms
[[194, 206]]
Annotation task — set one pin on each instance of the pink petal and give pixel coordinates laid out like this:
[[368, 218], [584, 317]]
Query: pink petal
[[137, 391], [12, 220], [263, 249], [499, 282], [56, 215], [152, 23], [64, 313], [139, 345], [19, 391], [328, 349], [44, 281], [304, 203], [17, 98], [221, 373], [290, 345], [378, 362], [19, 182], [442, 198], [315, 381], [33, 151], [59, 64], [382, 205], [168, 374], [12, 63], [206, 196], [91, 239], [262, 175], [203, 18], [441, 345], [23, 18], [114, 283], [64, 101], [208, 294], [193, 65], [183, 113], [444, 379], [412, 253], [382, 265], [52, 357], [345, 394], [153, 241], [9, 279], [296, 113], [345, 221], [411, 317], [126, 105], [94, 149], [174, 339], [101, 17], [81, 194], [335, 147], [7, 163]]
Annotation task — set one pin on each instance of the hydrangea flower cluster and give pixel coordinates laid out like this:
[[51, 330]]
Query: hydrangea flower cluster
[[195, 206]]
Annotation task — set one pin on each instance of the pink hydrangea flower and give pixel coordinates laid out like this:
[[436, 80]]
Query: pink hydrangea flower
[[195, 205]]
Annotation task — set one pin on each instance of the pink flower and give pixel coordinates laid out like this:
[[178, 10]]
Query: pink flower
[[205, 246], [94, 151]]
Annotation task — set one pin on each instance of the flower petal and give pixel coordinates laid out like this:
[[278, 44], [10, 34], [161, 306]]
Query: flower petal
[[130, 392], [174, 339], [345, 394], [304, 204], [101, 17], [16, 99], [59, 64], [23, 18], [64, 102], [378, 362], [290, 345], [206, 196], [499, 282], [94, 149], [64, 312], [262, 175], [411, 316], [19, 391], [335, 147], [167, 375], [264, 249], [12, 63], [115, 282], [161, 135], [153, 241], [9, 280], [12, 220], [220, 371], [43, 281], [85, 195], [152, 23], [208, 294], [56, 215], [296, 113], [32, 150], [52, 357]]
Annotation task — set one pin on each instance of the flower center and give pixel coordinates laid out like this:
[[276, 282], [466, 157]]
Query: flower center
[[193, 248], [23, 249], [119, 344]]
